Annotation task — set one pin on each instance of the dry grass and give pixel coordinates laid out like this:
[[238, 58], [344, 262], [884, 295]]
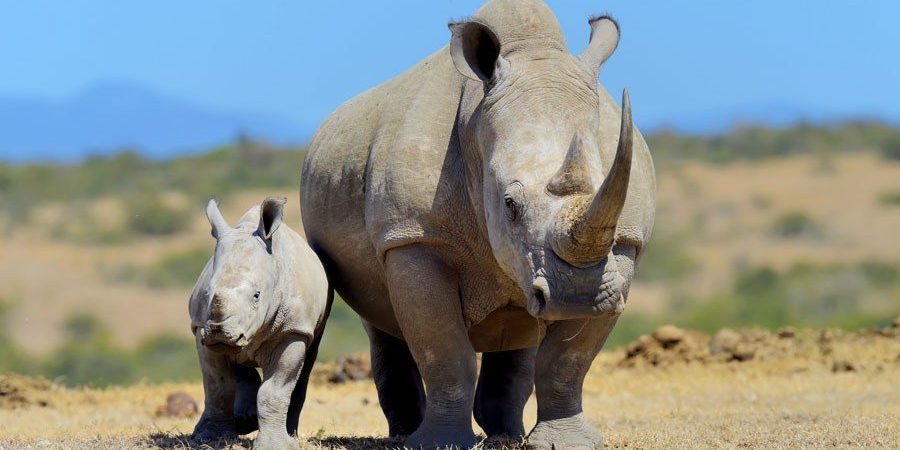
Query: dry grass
[[733, 208], [781, 399]]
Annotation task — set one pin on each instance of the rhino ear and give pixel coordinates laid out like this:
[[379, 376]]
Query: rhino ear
[[475, 50], [271, 214], [216, 221], [604, 40]]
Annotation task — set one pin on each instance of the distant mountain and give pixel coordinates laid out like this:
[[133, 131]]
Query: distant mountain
[[110, 116]]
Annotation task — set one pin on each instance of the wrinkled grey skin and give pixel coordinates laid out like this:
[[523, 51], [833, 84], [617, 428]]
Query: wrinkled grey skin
[[262, 301], [484, 201]]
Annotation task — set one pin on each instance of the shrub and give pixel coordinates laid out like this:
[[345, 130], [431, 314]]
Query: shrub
[[795, 224], [167, 358], [344, 333], [665, 260], [149, 215], [88, 357], [179, 269], [804, 295], [890, 199], [80, 226], [880, 273], [891, 148], [84, 328]]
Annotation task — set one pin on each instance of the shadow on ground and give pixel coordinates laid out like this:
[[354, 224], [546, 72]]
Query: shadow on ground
[[366, 443], [169, 441]]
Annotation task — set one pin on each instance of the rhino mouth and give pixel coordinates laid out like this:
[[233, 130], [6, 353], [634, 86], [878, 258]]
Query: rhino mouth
[[221, 342], [570, 305]]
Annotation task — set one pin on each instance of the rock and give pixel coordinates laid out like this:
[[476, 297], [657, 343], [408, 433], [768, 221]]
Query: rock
[[667, 345], [637, 347], [743, 351], [819, 349], [787, 333], [843, 366], [668, 335], [725, 341], [351, 368], [178, 404], [896, 323]]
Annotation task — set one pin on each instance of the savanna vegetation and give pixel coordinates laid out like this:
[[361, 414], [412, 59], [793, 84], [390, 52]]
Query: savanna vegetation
[[724, 253]]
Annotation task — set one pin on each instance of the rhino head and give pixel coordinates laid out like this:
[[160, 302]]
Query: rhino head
[[533, 143], [241, 293]]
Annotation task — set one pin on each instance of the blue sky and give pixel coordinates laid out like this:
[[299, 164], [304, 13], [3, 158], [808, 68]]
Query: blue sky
[[301, 59]]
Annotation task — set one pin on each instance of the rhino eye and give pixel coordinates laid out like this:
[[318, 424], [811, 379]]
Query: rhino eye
[[256, 297], [512, 208]]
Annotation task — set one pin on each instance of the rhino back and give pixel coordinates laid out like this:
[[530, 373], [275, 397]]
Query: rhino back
[[383, 167]]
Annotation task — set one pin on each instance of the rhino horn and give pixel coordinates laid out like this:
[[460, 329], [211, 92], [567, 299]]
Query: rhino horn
[[216, 221], [587, 228], [604, 40], [574, 176]]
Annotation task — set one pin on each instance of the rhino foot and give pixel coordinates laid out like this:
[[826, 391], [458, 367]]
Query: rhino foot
[[208, 430], [573, 433], [275, 441], [439, 438]]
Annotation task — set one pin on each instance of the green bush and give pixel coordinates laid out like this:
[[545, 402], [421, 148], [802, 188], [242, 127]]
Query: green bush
[[891, 148], [344, 333], [880, 273], [89, 357], [804, 295], [795, 224], [149, 215], [890, 199], [167, 358], [246, 165], [665, 259], [179, 269]]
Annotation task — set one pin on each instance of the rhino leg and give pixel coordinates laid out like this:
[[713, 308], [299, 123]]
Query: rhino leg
[[563, 360], [248, 382], [425, 296], [504, 384], [219, 388], [298, 396], [399, 384], [282, 365]]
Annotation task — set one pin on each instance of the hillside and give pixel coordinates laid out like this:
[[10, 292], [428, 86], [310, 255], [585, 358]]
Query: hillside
[[759, 227], [108, 116]]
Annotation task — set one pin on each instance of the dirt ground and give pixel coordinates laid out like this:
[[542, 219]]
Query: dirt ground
[[672, 389]]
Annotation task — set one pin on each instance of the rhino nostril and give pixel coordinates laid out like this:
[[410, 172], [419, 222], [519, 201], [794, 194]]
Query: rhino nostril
[[540, 296]]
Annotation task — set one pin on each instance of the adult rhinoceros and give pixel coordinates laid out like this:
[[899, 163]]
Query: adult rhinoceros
[[491, 199]]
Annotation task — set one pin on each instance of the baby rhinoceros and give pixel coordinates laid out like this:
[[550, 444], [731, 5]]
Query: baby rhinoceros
[[261, 301]]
